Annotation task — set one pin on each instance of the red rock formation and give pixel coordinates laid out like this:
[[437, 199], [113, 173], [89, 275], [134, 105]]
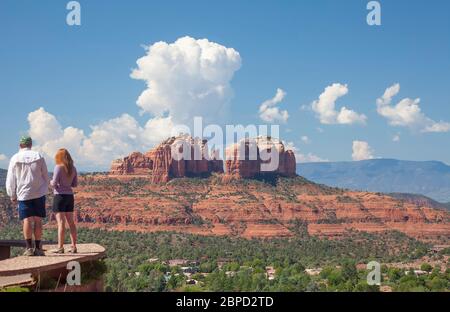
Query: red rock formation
[[176, 157], [248, 209], [264, 155], [162, 161], [290, 164], [242, 160], [135, 163]]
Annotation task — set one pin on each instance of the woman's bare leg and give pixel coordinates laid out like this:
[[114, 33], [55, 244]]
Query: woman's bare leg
[[61, 219], [73, 228]]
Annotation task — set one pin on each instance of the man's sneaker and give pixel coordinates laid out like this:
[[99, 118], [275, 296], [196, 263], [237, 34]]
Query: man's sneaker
[[39, 252], [29, 252], [57, 250]]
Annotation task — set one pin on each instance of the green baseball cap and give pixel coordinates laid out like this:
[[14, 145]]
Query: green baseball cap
[[26, 140]]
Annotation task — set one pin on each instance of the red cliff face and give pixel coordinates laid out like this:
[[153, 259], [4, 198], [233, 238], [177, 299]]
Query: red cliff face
[[263, 155], [242, 160], [174, 158], [162, 162], [290, 163]]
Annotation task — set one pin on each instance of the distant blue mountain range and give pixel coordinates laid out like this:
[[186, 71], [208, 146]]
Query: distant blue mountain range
[[429, 178]]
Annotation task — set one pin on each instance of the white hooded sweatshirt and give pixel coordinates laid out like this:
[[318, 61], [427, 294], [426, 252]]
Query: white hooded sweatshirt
[[27, 176]]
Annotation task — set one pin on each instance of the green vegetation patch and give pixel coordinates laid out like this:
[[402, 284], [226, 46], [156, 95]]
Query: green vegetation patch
[[140, 261]]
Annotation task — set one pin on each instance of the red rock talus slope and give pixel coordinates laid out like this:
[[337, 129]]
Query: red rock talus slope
[[175, 157], [247, 208]]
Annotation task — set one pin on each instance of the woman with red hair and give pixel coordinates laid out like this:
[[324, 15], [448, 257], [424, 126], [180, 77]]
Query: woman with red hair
[[65, 177]]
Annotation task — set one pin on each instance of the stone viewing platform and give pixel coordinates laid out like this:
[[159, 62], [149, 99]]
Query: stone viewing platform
[[18, 271], [21, 265]]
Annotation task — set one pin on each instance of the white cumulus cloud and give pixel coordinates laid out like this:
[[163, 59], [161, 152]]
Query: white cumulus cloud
[[301, 157], [396, 138], [187, 78], [361, 151], [3, 161], [269, 112], [325, 107], [305, 139], [106, 141], [389, 93], [407, 113], [434, 126]]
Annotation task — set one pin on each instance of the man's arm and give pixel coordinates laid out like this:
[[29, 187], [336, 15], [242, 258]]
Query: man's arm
[[44, 172], [11, 184]]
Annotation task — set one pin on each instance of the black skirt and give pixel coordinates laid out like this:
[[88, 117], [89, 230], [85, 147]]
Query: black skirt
[[63, 203]]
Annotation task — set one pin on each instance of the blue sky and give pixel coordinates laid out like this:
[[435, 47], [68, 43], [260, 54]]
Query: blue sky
[[81, 75]]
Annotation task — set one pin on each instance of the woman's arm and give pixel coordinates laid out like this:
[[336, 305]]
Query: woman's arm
[[75, 178], [56, 175], [44, 171]]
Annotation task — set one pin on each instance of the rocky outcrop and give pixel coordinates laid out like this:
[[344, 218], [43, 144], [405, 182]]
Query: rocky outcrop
[[176, 157], [135, 163], [243, 160], [184, 156], [263, 155]]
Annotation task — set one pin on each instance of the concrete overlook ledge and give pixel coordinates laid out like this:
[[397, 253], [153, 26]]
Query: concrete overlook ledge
[[30, 271]]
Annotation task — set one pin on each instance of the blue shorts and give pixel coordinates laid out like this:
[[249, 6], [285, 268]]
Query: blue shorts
[[32, 208]]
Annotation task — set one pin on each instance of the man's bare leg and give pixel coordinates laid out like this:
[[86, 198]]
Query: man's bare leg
[[28, 235], [37, 237], [27, 228], [37, 228]]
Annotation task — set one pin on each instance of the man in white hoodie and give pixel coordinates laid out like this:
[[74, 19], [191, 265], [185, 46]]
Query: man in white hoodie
[[27, 183]]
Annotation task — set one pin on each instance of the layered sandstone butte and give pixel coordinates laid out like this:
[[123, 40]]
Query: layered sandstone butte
[[250, 158], [185, 156], [176, 157], [135, 163]]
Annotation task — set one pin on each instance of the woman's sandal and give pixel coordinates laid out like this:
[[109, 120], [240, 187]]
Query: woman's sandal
[[72, 250], [57, 251]]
